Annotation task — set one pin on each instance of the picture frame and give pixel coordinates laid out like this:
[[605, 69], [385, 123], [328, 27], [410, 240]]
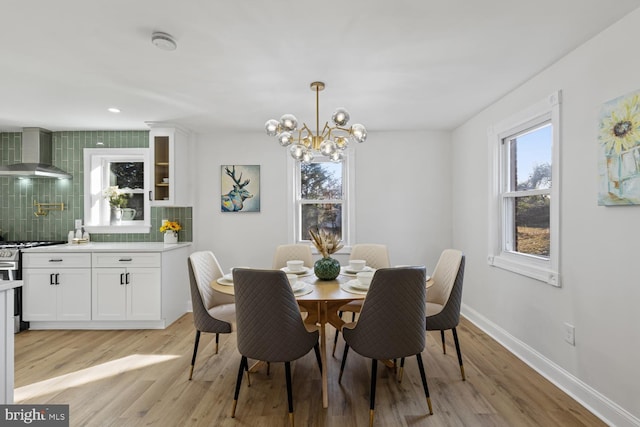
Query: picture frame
[[239, 188]]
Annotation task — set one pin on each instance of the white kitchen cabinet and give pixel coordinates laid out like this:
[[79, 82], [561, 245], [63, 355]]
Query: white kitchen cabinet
[[169, 148], [126, 286], [133, 285], [57, 287]]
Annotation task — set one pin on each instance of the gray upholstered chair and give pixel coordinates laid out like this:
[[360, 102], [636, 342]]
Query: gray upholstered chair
[[213, 311], [270, 326], [286, 253], [391, 324], [376, 256], [445, 296]]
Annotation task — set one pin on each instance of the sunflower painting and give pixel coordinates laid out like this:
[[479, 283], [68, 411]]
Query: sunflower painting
[[619, 151]]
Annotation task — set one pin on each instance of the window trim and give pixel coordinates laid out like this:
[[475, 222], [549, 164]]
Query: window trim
[[348, 208], [539, 268], [95, 205]]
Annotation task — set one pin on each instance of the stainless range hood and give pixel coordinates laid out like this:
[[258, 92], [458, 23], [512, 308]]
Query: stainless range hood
[[36, 157]]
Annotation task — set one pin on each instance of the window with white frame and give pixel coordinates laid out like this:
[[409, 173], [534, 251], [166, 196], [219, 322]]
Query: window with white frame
[[321, 198], [524, 220]]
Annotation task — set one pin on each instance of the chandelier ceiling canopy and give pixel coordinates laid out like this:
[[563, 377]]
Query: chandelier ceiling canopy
[[304, 145]]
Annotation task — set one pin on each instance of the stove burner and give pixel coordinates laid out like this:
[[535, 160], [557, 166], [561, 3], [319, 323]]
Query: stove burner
[[28, 244]]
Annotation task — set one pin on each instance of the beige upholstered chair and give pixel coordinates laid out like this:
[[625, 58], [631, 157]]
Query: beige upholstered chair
[[286, 253], [270, 326], [212, 311], [391, 323], [445, 296], [376, 256]]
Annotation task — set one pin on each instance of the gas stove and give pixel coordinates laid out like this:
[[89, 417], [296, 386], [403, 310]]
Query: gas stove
[[10, 251]]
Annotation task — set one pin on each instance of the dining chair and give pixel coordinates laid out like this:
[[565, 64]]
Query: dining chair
[[377, 256], [445, 297], [286, 253], [391, 324], [269, 324], [213, 311]]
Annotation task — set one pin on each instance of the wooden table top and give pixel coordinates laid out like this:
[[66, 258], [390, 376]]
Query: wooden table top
[[323, 290]]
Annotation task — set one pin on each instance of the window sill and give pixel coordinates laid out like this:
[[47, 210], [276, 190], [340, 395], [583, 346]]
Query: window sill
[[538, 271]]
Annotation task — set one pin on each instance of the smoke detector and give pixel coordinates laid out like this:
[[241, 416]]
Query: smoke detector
[[163, 40]]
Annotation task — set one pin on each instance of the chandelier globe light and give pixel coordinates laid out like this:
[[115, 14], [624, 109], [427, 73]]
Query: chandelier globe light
[[304, 145]]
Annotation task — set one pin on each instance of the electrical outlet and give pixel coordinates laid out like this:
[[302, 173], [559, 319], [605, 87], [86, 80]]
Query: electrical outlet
[[570, 333]]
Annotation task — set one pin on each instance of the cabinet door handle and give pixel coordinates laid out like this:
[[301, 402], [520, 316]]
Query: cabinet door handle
[[122, 278], [150, 196], [55, 260], [125, 259], [51, 282], [57, 278], [127, 282]]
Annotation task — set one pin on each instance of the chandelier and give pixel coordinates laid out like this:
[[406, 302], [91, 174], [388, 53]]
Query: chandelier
[[304, 145]]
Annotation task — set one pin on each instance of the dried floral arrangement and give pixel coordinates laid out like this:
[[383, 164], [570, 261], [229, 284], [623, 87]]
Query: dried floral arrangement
[[326, 242]]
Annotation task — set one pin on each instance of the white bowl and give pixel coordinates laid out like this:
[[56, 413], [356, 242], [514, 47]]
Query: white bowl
[[365, 277], [357, 264], [295, 265], [293, 278]]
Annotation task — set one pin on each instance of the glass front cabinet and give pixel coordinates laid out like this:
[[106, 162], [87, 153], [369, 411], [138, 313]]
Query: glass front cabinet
[[170, 176]]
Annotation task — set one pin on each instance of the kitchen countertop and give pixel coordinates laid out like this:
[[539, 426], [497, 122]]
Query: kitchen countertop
[[110, 247], [5, 285]]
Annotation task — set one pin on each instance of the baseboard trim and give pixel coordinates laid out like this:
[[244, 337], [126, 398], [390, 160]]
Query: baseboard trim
[[601, 406]]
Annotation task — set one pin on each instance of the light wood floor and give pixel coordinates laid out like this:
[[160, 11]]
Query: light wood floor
[[131, 378]]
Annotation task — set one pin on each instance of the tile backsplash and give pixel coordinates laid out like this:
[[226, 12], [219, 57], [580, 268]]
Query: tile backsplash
[[17, 196]]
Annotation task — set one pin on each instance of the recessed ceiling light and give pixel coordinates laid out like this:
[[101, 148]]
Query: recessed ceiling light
[[163, 41], [113, 110]]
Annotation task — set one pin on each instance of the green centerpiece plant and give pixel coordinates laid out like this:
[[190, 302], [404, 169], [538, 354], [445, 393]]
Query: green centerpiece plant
[[327, 243]]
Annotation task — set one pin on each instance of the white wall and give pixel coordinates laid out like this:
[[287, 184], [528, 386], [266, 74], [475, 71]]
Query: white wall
[[600, 294], [403, 197]]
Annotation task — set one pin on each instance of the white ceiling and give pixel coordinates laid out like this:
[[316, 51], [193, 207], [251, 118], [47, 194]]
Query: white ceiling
[[402, 64]]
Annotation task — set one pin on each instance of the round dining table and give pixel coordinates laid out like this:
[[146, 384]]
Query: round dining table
[[321, 299]]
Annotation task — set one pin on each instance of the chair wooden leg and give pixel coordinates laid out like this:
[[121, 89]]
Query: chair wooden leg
[[243, 366], [287, 372], [335, 338], [217, 341], [344, 360], [195, 351], [316, 350], [455, 338], [444, 349], [401, 370], [423, 376], [372, 398]]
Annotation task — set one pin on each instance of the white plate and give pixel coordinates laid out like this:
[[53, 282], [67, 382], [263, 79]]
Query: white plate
[[356, 284], [298, 285], [304, 270], [350, 272], [306, 289], [348, 288], [225, 282]]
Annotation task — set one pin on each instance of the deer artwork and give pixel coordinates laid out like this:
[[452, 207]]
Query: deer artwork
[[233, 201]]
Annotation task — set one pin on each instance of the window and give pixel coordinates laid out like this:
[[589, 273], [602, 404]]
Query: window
[[123, 173], [321, 199], [525, 180]]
